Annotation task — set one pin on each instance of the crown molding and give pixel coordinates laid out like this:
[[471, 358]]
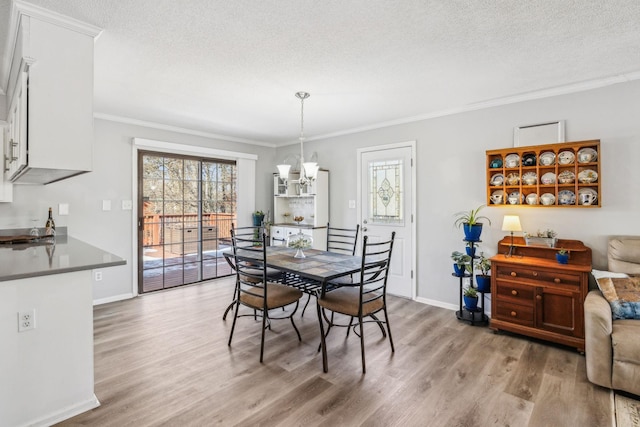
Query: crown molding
[[177, 129], [20, 7], [529, 96]]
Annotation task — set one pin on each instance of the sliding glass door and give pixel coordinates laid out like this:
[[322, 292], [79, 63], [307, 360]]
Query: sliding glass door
[[187, 206]]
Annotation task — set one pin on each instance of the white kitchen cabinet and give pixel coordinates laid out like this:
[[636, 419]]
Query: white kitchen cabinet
[[50, 104], [310, 202], [6, 188]]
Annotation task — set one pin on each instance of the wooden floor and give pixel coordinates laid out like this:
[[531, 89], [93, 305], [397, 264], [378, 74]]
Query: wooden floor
[[163, 360]]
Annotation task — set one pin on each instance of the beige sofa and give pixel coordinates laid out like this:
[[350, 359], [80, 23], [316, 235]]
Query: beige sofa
[[612, 347]]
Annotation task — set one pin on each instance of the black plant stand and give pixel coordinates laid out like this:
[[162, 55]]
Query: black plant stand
[[477, 316]]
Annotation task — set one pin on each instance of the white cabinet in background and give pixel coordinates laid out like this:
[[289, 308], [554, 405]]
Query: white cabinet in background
[[310, 202]]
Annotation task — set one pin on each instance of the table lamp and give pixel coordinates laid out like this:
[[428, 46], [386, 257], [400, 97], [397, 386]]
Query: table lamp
[[511, 223]]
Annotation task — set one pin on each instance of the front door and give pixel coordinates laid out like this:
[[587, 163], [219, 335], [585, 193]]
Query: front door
[[387, 188]]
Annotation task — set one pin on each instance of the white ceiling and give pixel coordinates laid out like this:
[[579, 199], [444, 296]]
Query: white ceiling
[[232, 67]]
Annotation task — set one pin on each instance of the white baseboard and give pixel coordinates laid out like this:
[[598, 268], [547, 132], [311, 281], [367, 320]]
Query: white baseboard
[[113, 299], [436, 303], [65, 413]]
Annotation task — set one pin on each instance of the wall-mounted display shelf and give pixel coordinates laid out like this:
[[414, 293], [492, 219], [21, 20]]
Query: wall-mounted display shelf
[[552, 175]]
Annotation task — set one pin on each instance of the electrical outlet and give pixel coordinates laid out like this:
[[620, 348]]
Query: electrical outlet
[[97, 275], [26, 320]]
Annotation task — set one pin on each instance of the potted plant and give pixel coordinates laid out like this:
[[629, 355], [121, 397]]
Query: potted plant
[[470, 296], [483, 265], [470, 249], [258, 217], [461, 263], [562, 256], [470, 223]]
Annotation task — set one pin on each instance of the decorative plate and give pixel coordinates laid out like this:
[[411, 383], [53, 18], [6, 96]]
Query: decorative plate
[[587, 196], [548, 199], [497, 179], [587, 155], [495, 163], [529, 160], [566, 157], [515, 198], [529, 178], [513, 179], [547, 158], [587, 176], [566, 177], [532, 198], [497, 197], [511, 161], [566, 197], [548, 178]]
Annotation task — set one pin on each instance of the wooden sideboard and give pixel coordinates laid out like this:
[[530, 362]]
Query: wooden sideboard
[[536, 296]]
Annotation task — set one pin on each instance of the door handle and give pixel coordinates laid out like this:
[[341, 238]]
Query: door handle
[[364, 221]]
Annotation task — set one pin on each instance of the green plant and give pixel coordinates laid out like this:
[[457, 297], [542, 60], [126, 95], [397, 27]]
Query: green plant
[[471, 217], [562, 251], [258, 213], [462, 260], [483, 264], [548, 233], [470, 292]]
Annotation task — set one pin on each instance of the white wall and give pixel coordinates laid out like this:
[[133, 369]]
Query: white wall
[[451, 175], [112, 179]]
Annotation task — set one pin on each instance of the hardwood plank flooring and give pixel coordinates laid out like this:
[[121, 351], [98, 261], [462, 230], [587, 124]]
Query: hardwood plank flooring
[[162, 360]]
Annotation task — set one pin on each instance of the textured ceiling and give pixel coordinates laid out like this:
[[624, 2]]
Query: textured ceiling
[[232, 67]]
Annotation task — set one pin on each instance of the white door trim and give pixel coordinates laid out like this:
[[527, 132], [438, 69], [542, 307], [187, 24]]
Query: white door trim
[[412, 145]]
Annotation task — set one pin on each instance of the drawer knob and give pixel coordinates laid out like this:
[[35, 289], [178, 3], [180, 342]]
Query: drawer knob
[[535, 274], [556, 280], [514, 314], [513, 274], [539, 297], [514, 292]]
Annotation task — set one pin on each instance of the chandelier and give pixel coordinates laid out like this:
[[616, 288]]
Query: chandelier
[[308, 170]]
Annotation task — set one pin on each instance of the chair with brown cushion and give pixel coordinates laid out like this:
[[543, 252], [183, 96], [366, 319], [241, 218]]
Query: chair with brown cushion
[[247, 233], [340, 240], [362, 299], [254, 289]]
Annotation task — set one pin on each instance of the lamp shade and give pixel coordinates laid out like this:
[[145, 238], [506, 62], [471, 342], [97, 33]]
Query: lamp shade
[[511, 223], [310, 169], [283, 171]]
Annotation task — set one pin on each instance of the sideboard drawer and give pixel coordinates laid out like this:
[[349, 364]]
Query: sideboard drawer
[[521, 294], [515, 313], [537, 275]]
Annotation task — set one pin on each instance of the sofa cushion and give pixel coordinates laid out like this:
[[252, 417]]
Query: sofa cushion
[[624, 254], [623, 294]]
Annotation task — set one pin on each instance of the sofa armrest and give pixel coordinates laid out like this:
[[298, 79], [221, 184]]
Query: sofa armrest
[[598, 325]]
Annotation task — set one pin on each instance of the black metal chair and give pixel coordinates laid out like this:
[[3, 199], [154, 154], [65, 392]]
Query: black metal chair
[[245, 233], [254, 289], [360, 300], [341, 240]]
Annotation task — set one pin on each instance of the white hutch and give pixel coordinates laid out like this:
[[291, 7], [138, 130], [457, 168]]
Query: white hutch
[[308, 201]]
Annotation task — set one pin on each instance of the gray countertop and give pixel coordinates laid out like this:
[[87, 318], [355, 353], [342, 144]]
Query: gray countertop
[[21, 261]]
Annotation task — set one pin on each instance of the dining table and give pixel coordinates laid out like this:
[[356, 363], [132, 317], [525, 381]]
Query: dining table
[[312, 274]]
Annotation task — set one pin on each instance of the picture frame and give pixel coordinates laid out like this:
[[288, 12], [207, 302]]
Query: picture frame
[[539, 134]]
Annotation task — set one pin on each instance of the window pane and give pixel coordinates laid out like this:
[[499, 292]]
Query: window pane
[[386, 192]]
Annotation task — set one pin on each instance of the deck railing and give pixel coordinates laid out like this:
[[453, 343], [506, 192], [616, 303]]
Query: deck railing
[[153, 233]]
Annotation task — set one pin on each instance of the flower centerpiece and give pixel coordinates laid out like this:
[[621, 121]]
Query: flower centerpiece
[[299, 242], [541, 238]]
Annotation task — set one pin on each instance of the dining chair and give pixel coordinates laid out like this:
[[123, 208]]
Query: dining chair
[[254, 289], [247, 233], [361, 299], [340, 240]]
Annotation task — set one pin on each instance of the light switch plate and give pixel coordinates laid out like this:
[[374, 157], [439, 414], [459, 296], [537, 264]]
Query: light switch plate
[[106, 205], [127, 205], [352, 204]]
